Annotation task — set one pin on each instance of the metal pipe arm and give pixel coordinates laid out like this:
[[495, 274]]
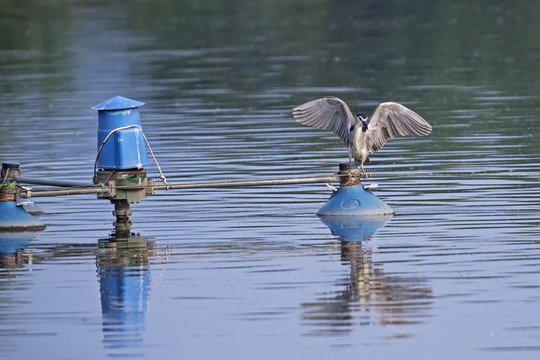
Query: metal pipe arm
[[77, 189], [59, 183], [96, 189], [255, 182]]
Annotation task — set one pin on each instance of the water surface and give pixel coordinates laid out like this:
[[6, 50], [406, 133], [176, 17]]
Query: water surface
[[253, 272]]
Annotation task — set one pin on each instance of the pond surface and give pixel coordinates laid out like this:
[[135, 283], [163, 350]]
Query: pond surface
[[252, 272]]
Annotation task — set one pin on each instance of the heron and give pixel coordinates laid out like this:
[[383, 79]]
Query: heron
[[361, 134]]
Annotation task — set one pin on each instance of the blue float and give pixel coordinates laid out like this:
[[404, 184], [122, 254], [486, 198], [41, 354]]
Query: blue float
[[354, 200], [119, 126], [15, 217]]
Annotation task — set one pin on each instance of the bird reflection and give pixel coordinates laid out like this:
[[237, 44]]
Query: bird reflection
[[124, 277], [366, 296]]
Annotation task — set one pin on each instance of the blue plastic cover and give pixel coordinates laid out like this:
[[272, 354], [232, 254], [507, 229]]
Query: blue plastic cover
[[118, 103], [126, 148]]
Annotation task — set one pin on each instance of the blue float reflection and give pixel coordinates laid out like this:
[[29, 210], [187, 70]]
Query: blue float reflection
[[354, 228], [12, 246], [124, 277]]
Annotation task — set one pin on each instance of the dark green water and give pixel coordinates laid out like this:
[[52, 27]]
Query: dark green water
[[253, 272]]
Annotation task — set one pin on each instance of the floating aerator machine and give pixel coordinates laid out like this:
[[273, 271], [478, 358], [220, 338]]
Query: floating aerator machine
[[352, 198], [120, 135], [121, 157]]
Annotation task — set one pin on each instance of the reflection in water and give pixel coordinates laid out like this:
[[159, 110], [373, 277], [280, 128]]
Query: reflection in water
[[368, 296], [12, 247], [124, 277]]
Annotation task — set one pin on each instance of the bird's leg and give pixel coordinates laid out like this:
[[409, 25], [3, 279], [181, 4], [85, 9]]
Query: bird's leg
[[364, 174]]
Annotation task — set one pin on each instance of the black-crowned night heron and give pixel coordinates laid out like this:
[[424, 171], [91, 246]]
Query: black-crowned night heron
[[360, 133]]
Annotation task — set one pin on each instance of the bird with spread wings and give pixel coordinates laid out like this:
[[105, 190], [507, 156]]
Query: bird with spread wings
[[361, 134]]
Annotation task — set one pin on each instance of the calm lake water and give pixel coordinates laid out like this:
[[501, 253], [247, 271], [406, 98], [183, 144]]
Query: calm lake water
[[252, 272]]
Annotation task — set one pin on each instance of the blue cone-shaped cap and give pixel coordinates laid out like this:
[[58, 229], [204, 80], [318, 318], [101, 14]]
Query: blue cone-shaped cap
[[118, 103]]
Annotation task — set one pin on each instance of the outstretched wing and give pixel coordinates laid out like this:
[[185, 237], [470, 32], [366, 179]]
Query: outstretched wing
[[328, 113], [391, 119]]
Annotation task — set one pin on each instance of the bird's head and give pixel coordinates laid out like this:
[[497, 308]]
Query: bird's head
[[362, 119]]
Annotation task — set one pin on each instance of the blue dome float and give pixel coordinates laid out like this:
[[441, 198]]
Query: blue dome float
[[352, 198]]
